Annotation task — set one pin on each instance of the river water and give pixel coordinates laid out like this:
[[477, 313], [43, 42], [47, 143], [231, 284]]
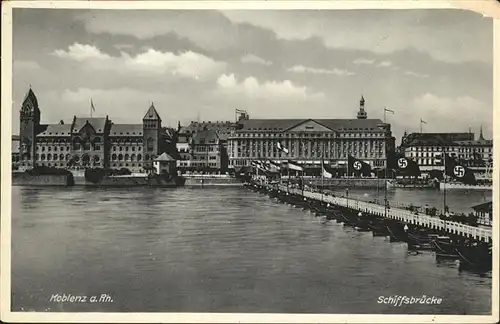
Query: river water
[[220, 250]]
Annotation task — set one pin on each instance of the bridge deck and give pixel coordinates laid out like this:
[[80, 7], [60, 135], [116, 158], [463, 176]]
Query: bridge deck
[[483, 234]]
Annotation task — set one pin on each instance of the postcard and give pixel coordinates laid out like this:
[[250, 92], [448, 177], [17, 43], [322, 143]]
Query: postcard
[[264, 161]]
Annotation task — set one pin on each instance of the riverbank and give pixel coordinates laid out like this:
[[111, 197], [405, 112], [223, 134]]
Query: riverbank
[[41, 180], [198, 180], [78, 178]]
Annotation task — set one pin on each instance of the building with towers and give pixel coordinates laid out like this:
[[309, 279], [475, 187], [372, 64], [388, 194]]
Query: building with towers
[[88, 141], [362, 113]]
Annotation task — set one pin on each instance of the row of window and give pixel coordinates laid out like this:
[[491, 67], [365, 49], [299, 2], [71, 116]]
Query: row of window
[[132, 148], [309, 135], [451, 149], [115, 165], [328, 155], [126, 157]]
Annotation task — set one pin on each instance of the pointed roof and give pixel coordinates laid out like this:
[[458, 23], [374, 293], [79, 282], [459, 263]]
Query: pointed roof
[[98, 123], [164, 157], [31, 97], [152, 114], [481, 137], [362, 101]]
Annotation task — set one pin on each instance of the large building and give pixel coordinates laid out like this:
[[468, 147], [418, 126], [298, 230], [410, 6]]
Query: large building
[[88, 142], [311, 140], [426, 149], [197, 137]]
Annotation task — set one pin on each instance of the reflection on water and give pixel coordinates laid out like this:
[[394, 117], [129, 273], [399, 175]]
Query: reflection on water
[[217, 250]]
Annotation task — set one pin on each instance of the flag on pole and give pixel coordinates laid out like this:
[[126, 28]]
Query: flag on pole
[[326, 173], [294, 166], [458, 171], [282, 148], [389, 111], [422, 121], [274, 164], [403, 164], [92, 105], [358, 166]]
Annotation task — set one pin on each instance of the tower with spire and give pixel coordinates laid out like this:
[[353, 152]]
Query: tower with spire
[[362, 113], [481, 137], [151, 125], [28, 128]]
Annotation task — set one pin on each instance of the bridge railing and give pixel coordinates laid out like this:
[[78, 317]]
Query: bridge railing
[[397, 214]]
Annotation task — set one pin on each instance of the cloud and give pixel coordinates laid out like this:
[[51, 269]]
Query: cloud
[[81, 52], [457, 36], [271, 90], [123, 46], [384, 64], [363, 61], [305, 69], [186, 64], [460, 112], [251, 58], [417, 75]]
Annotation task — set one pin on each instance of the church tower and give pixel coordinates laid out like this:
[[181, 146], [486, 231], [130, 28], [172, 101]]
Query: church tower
[[481, 136], [29, 125], [151, 125], [362, 112]]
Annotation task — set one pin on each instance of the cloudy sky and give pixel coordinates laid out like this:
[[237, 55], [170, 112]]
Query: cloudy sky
[[429, 64]]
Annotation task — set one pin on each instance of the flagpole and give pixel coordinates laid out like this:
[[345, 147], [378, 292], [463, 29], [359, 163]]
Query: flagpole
[[322, 176], [444, 184], [347, 191]]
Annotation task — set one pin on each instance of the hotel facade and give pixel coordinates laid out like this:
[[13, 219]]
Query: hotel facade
[[311, 140], [426, 149]]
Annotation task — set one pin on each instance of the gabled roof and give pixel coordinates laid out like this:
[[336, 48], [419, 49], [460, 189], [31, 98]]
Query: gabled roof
[[152, 114], [205, 137], [30, 97], [99, 124], [126, 130], [311, 122], [164, 157], [55, 130]]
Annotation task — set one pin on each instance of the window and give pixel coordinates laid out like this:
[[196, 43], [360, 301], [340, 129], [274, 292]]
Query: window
[[97, 147], [120, 157], [150, 144], [113, 157]]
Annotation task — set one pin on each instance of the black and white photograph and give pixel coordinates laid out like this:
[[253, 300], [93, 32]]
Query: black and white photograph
[[254, 161]]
